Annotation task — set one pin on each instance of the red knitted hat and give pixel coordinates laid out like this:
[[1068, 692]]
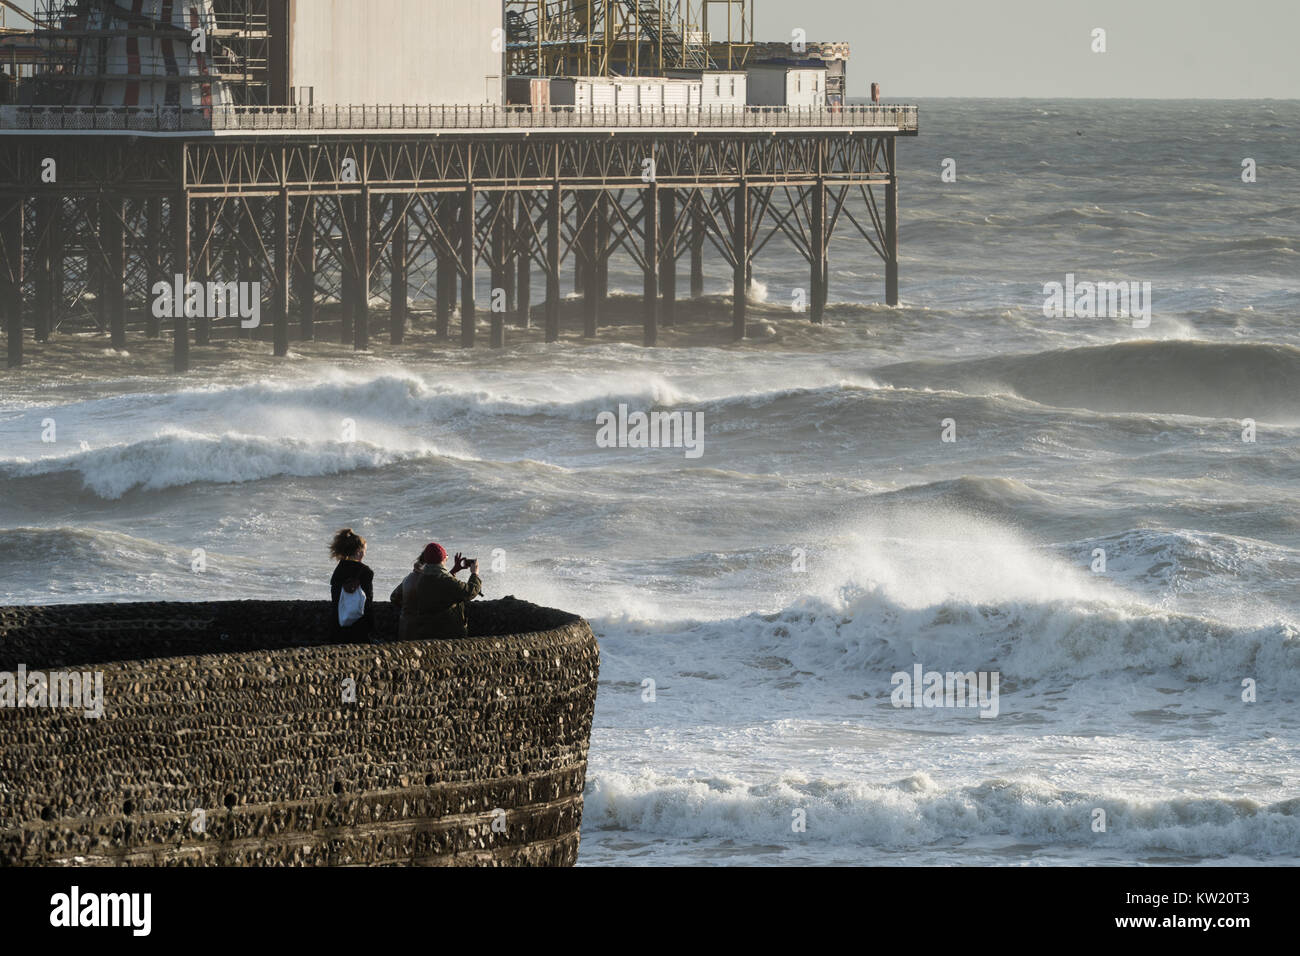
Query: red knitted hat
[[433, 554]]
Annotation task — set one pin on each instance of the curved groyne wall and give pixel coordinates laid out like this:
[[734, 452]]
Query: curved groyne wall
[[236, 734]]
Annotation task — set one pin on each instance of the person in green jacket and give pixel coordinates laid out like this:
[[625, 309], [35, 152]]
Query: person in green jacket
[[432, 600]]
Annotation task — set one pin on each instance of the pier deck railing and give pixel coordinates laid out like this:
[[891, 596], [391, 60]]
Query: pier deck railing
[[253, 119]]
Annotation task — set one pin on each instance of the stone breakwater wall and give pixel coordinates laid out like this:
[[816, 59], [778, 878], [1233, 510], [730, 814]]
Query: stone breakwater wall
[[236, 734]]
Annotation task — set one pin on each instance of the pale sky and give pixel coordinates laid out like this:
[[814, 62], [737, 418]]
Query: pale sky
[[1195, 49]]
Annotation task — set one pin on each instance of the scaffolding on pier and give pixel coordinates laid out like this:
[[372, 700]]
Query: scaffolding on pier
[[626, 37]]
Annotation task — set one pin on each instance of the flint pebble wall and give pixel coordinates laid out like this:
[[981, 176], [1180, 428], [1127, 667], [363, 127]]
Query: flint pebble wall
[[236, 734]]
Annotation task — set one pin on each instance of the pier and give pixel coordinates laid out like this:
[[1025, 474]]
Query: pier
[[103, 206]]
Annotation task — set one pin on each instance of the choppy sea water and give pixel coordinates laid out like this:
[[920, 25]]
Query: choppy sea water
[[771, 737]]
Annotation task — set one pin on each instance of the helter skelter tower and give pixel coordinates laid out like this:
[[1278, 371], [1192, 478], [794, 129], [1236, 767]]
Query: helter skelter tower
[[144, 52]]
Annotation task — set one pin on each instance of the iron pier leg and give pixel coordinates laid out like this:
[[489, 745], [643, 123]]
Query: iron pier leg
[[181, 266], [468, 254], [283, 268], [524, 272], [501, 278], [590, 269], [891, 225], [580, 265], [817, 265], [113, 237], [58, 265], [740, 250], [508, 275], [668, 262], [43, 266], [697, 246], [445, 225], [650, 306], [554, 225], [602, 256], [305, 269], [363, 259], [253, 266], [203, 214], [347, 273], [154, 272], [11, 274], [399, 294]]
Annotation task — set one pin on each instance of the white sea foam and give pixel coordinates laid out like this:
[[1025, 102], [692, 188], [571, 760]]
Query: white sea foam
[[919, 814]]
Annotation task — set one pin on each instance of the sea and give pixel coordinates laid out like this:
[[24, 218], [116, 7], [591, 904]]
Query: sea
[[1092, 511]]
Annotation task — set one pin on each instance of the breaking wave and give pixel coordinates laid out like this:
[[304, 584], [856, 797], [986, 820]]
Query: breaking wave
[[1213, 380], [177, 458]]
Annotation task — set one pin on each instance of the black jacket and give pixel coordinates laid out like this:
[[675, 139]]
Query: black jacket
[[350, 570]]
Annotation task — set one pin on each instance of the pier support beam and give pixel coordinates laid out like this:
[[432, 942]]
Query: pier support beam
[[181, 264], [668, 262], [153, 272], [206, 213], [202, 215], [524, 267], [254, 265], [58, 268], [112, 235], [590, 271], [581, 224], [740, 250], [650, 305], [602, 255], [399, 291], [554, 226], [697, 245], [43, 266], [347, 289], [11, 274], [283, 268], [304, 271], [468, 255], [817, 259], [891, 224], [97, 271], [362, 265], [445, 226], [500, 298], [508, 270]]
